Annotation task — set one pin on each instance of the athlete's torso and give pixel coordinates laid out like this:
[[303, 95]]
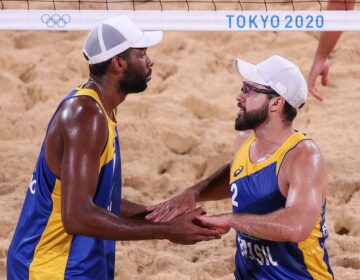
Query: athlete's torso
[[41, 249], [255, 190]]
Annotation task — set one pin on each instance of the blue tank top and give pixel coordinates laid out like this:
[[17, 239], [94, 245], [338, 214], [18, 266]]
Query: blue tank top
[[41, 249], [255, 190]]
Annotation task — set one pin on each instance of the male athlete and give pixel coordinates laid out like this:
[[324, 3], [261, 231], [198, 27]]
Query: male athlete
[[73, 212], [276, 182]]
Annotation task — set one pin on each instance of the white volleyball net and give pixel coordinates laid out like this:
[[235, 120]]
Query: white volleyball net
[[181, 15]]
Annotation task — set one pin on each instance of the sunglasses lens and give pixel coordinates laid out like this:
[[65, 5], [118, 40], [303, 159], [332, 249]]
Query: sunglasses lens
[[246, 88]]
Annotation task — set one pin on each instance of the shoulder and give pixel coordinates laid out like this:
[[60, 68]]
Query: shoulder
[[306, 147], [305, 155], [82, 114], [81, 108]]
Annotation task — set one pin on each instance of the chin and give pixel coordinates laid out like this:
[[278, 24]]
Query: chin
[[241, 126], [137, 89]]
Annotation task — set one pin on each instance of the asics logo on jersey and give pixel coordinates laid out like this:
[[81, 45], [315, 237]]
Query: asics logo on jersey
[[238, 171]]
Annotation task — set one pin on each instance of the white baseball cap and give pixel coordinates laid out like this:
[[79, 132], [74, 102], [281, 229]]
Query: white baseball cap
[[115, 35], [278, 73]]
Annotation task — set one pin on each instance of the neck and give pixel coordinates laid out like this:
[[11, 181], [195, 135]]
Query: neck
[[108, 92], [268, 138]]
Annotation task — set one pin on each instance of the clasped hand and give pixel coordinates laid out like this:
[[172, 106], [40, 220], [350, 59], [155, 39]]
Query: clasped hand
[[181, 208]]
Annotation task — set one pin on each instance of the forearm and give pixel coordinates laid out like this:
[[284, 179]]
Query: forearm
[[100, 223], [327, 42], [279, 226], [130, 209], [215, 187], [329, 39]]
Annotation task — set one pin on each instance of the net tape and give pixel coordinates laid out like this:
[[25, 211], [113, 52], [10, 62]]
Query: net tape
[[208, 15]]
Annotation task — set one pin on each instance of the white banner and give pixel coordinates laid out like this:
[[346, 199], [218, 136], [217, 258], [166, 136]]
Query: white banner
[[185, 20]]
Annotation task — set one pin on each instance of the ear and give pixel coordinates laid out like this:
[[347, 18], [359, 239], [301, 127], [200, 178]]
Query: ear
[[118, 64], [276, 103]]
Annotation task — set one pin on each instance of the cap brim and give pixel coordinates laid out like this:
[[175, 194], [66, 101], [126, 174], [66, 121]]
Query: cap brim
[[249, 72], [149, 39]]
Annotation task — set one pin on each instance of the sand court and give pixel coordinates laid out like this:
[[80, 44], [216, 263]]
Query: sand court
[[178, 132]]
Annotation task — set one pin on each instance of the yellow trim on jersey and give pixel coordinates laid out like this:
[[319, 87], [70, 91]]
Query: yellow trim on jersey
[[93, 94], [246, 167], [109, 155], [110, 149], [314, 254], [290, 143], [239, 162], [53, 249]]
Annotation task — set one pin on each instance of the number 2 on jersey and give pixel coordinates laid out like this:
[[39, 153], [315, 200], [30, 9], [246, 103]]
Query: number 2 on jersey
[[234, 191]]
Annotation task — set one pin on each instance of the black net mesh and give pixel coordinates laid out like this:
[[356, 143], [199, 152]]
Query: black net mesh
[[216, 5]]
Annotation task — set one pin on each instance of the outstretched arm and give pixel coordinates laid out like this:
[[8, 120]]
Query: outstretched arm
[[304, 172], [214, 187], [327, 42]]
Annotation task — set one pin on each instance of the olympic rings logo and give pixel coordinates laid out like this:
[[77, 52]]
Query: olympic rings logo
[[55, 20]]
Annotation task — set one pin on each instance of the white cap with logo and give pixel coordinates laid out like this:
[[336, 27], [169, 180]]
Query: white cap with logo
[[278, 73], [115, 35]]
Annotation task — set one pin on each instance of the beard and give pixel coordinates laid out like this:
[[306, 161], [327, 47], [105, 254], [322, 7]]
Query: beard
[[134, 81], [252, 119]]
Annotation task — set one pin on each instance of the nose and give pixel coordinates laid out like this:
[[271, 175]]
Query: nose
[[240, 97], [150, 63]]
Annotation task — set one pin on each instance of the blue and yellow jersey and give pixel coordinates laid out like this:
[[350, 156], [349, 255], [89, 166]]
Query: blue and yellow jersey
[[255, 190], [41, 249]]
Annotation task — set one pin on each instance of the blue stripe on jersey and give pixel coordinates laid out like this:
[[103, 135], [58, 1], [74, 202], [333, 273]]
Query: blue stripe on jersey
[[325, 235], [326, 256]]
